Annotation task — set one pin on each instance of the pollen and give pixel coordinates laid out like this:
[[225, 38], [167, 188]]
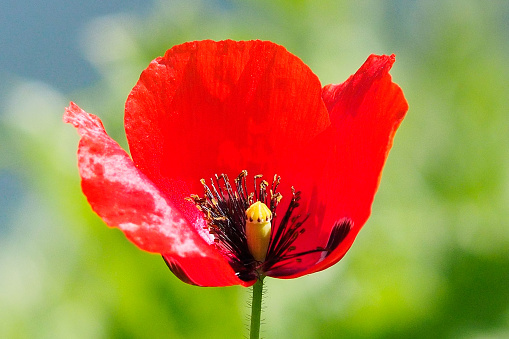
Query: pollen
[[258, 230]]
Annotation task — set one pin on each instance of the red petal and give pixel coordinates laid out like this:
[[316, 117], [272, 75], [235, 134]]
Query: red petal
[[365, 111], [125, 198], [221, 107]]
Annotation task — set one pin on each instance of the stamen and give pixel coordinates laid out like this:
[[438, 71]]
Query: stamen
[[224, 208], [339, 232]]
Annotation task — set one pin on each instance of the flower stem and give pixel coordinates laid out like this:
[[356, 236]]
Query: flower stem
[[256, 308]]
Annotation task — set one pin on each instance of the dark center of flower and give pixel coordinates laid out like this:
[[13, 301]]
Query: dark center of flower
[[244, 224]]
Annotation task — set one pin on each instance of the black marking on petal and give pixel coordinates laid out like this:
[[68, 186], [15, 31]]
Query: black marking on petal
[[178, 272], [338, 234], [248, 275]]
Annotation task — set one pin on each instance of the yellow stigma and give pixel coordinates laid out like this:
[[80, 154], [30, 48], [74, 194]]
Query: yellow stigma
[[258, 217]]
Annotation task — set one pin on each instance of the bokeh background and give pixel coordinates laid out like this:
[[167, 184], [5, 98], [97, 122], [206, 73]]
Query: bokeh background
[[433, 260]]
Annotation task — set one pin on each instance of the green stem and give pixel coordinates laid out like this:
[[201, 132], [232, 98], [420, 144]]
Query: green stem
[[256, 308]]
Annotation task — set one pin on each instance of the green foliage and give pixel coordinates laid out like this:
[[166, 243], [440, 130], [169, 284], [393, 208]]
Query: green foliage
[[433, 260]]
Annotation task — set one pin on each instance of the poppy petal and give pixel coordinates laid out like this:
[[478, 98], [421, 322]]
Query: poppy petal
[[221, 107], [365, 112], [125, 198]]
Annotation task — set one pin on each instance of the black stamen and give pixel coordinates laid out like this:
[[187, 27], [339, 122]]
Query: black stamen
[[224, 207], [258, 176]]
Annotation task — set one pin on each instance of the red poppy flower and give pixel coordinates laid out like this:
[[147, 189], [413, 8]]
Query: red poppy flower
[[225, 108]]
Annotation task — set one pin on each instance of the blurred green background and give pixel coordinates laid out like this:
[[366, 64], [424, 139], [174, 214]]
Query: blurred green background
[[433, 260]]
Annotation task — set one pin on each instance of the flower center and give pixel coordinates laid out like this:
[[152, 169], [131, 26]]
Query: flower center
[[244, 224]]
